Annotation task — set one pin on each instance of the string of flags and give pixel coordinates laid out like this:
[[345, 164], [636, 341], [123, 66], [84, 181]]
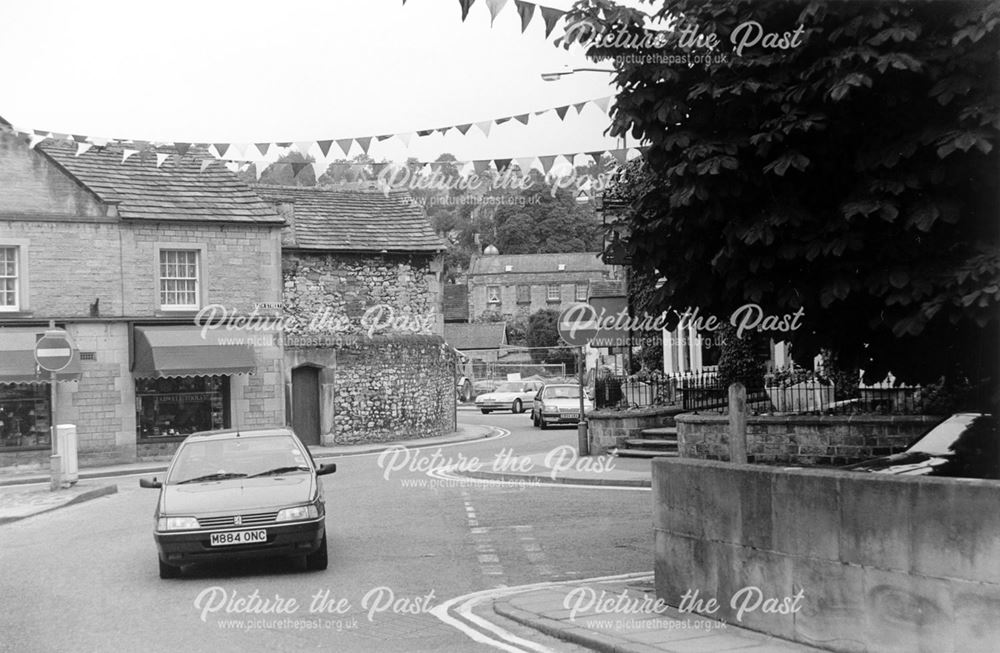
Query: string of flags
[[525, 11]]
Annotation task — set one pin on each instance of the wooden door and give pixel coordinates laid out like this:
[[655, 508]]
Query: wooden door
[[305, 404]]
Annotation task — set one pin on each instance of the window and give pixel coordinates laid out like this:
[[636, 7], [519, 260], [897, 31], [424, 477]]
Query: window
[[581, 292], [523, 294], [179, 283], [24, 416], [179, 406], [493, 294], [9, 296], [552, 292]]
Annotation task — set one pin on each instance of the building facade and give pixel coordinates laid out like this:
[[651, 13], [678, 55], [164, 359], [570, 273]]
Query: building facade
[[361, 285], [123, 255]]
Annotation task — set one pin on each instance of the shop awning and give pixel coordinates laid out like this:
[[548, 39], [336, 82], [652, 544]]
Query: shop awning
[[17, 358], [182, 351]]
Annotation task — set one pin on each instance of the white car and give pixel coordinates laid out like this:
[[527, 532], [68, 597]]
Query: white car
[[559, 403], [511, 395]]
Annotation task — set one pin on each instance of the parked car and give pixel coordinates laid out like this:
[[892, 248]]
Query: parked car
[[966, 445], [558, 403], [240, 494], [511, 395]]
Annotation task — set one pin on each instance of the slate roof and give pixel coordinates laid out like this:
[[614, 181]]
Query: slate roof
[[534, 263], [463, 337], [456, 302], [355, 220], [178, 190], [607, 289]]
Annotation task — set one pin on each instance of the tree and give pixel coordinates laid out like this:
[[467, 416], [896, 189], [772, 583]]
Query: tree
[[544, 222], [542, 336], [853, 174]]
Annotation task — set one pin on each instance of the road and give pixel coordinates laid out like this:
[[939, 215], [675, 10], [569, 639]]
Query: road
[[85, 578]]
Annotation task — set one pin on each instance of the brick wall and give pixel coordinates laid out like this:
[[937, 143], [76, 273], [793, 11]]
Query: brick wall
[[803, 440], [347, 285]]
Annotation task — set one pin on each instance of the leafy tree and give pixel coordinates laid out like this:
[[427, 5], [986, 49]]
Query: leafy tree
[[853, 174], [545, 223], [542, 335]]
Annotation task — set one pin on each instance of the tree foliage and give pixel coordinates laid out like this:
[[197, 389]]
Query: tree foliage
[[854, 176]]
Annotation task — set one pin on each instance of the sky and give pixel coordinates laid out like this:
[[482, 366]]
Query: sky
[[299, 70]]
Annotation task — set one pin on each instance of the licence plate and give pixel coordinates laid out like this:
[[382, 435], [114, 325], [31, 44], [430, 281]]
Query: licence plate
[[570, 415], [238, 537]]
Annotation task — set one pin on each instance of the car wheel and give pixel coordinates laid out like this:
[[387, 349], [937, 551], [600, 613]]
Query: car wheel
[[517, 407], [168, 571], [317, 561], [485, 412], [534, 419], [542, 423]]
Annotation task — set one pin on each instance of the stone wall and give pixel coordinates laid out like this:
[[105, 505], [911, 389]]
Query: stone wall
[[608, 429], [381, 389], [342, 287], [860, 562], [803, 440]]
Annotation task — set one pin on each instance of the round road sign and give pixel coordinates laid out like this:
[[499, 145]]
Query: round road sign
[[578, 324], [54, 350]]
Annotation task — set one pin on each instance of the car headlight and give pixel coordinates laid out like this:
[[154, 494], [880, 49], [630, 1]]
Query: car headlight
[[298, 512], [176, 523]]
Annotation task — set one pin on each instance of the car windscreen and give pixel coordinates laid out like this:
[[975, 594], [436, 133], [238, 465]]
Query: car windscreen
[[510, 387], [236, 457], [561, 392]]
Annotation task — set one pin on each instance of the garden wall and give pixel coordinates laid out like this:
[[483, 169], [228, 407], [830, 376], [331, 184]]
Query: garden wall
[[803, 439], [608, 429]]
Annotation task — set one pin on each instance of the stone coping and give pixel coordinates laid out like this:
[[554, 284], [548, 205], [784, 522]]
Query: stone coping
[[651, 411], [698, 418]]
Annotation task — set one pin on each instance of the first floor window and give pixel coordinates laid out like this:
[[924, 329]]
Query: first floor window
[[524, 294], [493, 294], [179, 287], [581, 292], [24, 416], [179, 406], [552, 292], [8, 278]]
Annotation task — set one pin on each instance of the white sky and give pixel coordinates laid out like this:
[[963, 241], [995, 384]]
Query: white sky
[[298, 70]]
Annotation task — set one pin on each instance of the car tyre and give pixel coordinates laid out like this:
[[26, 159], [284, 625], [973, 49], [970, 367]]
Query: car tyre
[[534, 419], [518, 407], [318, 559], [542, 423], [168, 571], [485, 412]]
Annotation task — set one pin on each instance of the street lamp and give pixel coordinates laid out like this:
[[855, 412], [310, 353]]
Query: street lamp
[[555, 76]]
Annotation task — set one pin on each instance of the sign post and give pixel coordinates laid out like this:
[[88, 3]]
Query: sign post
[[53, 353], [577, 327]]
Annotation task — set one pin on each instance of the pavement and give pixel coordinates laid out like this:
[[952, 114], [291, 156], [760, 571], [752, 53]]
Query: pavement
[[19, 503], [623, 616]]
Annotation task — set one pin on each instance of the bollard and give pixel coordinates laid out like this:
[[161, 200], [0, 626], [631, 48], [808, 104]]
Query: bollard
[[737, 423]]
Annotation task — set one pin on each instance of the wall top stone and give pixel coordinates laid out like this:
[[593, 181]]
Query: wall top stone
[[802, 420]]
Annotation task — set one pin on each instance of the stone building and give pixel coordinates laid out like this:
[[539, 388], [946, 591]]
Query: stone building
[[123, 255], [515, 285], [365, 360]]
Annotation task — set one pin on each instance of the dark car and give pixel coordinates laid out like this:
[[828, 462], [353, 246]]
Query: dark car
[[966, 445], [240, 494]]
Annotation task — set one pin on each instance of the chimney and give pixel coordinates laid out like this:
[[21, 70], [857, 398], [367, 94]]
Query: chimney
[[286, 209]]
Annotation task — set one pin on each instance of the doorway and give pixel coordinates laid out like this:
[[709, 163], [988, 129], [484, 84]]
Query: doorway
[[305, 403]]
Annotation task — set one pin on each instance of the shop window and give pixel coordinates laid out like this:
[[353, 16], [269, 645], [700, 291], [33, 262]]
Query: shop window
[[179, 279], [493, 294], [178, 407], [9, 275], [24, 416]]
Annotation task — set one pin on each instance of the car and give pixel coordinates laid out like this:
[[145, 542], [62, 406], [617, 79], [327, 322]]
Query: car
[[558, 403], [232, 494], [966, 445], [511, 395]]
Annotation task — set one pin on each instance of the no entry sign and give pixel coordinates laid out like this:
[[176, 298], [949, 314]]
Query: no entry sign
[[54, 350]]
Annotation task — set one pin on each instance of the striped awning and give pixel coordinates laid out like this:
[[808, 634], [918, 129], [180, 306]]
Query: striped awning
[[17, 358], [170, 351]]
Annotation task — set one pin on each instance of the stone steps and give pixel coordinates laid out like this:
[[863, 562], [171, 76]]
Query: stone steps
[[651, 443]]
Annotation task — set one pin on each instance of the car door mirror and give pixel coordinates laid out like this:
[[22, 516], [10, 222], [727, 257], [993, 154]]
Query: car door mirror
[[327, 468], [150, 483]]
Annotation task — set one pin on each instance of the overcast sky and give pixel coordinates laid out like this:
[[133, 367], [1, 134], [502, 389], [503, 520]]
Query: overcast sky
[[251, 71]]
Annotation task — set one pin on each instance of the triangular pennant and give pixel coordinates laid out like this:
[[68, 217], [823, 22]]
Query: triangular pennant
[[36, 139], [602, 103], [221, 148], [465, 7], [547, 162], [238, 150], [495, 6], [304, 147], [99, 141], [262, 148], [463, 128], [205, 163], [324, 147], [597, 156], [384, 137], [621, 155], [345, 145], [283, 144], [233, 166], [501, 121], [501, 164], [579, 107], [79, 139], [485, 126], [258, 169], [551, 16], [364, 142], [161, 157], [561, 112], [405, 138], [297, 167], [60, 137], [140, 145], [526, 10], [480, 166], [318, 169], [426, 132], [39, 132], [523, 118], [525, 163], [82, 146], [182, 148], [126, 153]]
